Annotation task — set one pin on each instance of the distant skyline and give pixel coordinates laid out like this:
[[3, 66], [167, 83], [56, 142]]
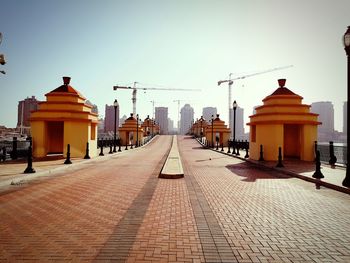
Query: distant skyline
[[173, 44]]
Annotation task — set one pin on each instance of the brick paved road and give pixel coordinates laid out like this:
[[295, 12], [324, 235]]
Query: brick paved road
[[265, 218], [222, 211], [77, 217]]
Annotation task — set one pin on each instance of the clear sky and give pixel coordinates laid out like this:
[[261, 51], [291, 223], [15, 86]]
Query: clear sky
[[174, 44]]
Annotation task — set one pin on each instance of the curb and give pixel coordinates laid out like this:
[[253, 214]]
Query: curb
[[172, 168], [318, 182]]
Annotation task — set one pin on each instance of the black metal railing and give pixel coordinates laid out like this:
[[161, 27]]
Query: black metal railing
[[339, 151]]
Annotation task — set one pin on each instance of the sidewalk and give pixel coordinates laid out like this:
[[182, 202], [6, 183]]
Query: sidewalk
[[11, 172], [333, 176]]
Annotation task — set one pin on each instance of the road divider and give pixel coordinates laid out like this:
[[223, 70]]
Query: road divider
[[172, 168]]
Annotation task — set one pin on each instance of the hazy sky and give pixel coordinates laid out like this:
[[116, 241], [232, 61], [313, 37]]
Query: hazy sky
[[174, 44]]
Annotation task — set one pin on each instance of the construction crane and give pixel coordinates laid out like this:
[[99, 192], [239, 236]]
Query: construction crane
[[154, 102], [134, 91], [230, 82]]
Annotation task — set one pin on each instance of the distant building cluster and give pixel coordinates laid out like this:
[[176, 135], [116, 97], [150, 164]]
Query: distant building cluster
[[326, 131], [325, 109], [161, 117], [186, 121]]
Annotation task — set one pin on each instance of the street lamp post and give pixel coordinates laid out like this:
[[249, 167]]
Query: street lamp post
[[137, 131], [152, 123], [212, 131], [201, 132], [346, 40], [115, 104], [234, 127]]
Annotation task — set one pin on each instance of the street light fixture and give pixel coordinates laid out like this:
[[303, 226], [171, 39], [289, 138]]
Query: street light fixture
[[234, 106], [201, 132], [116, 105], [346, 42], [212, 131], [137, 131], [152, 123]]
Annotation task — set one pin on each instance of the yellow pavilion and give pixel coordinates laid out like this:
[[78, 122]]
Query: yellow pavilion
[[217, 129], [64, 118], [283, 121]]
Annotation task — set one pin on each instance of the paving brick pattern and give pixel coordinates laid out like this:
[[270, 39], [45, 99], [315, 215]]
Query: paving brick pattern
[[72, 217], [270, 219], [168, 232], [224, 210]]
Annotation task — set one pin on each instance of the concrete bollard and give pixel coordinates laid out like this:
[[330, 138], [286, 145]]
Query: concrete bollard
[[261, 158], [333, 158], [3, 154], [246, 153], [119, 146], [68, 161], [318, 174], [110, 149], [87, 151], [29, 168], [237, 148], [101, 148], [14, 153], [279, 163]]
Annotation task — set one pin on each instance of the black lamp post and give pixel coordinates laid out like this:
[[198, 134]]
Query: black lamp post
[[201, 132], [116, 105], [234, 105], [212, 131], [346, 41], [137, 131], [152, 123]]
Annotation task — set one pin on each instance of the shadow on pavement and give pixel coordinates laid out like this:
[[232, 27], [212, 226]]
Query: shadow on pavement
[[251, 173]]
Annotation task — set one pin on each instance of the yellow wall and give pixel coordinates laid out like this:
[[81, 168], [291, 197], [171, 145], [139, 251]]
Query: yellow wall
[[308, 138], [271, 137], [77, 134], [39, 133]]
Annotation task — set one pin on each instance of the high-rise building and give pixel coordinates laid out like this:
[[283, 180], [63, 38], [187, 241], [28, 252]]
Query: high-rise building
[[208, 112], [101, 125], [345, 117], [171, 129], [109, 118], [187, 114], [23, 114], [94, 108], [239, 123], [161, 117], [326, 115]]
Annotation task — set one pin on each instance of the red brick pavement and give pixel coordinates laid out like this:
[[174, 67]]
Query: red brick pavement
[[71, 218], [224, 210], [266, 218]]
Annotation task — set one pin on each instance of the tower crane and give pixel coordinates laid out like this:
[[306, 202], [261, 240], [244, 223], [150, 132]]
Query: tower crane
[[230, 82], [134, 91]]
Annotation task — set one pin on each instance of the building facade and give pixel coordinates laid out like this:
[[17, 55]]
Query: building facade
[[25, 107], [239, 123], [208, 112], [161, 117], [109, 118], [186, 120], [325, 111]]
